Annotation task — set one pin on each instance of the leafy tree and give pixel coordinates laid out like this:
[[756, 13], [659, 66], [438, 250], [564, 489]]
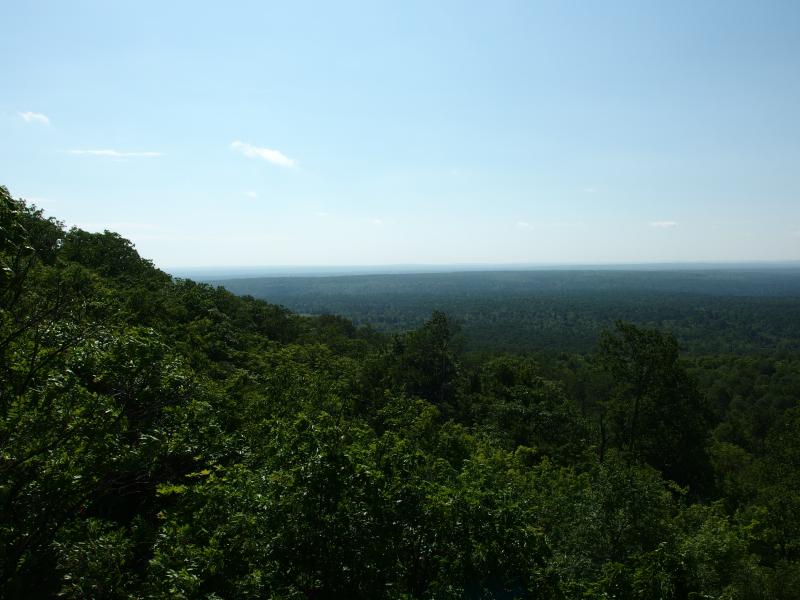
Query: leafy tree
[[425, 363], [508, 395], [654, 411]]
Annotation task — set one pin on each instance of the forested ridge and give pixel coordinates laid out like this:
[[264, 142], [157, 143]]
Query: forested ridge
[[161, 438]]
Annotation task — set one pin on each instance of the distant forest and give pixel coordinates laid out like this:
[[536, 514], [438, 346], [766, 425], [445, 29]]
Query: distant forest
[[163, 438], [709, 311]]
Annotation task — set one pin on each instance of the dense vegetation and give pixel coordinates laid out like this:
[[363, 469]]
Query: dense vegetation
[[161, 438], [709, 310]]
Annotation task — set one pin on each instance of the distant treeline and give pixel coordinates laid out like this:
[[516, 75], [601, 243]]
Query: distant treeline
[[709, 311]]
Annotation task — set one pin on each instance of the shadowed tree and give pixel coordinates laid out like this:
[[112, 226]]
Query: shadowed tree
[[654, 411], [426, 361]]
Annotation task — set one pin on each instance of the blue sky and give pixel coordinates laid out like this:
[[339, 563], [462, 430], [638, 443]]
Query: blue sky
[[255, 133]]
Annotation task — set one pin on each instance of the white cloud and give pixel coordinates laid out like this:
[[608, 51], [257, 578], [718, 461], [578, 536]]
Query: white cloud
[[321, 213], [34, 117], [274, 156], [114, 153], [523, 225], [590, 190], [377, 221], [251, 194], [664, 224]]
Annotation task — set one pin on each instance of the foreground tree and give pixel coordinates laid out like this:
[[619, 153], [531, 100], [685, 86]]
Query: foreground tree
[[654, 412]]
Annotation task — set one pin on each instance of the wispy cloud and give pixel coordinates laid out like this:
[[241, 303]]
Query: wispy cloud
[[590, 190], [377, 221], [115, 153], [273, 156], [34, 117], [251, 194], [523, 225], [320, 213], [664, 224]]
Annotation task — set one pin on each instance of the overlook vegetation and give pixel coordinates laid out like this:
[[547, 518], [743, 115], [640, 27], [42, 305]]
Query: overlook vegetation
[[161, 438]]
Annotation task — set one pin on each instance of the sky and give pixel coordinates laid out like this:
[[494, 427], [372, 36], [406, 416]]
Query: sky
[[431, 132]]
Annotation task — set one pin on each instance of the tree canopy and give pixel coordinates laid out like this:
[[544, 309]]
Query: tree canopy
[[163, 438]]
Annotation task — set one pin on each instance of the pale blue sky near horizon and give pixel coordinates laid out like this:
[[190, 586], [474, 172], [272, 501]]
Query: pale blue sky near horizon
[[365, 133]]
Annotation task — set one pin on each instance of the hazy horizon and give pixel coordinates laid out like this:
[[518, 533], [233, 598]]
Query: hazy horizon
[[209, 273], [414, 133]]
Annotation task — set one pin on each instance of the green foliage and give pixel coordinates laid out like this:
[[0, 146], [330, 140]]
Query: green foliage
[[107, 253], [654, 411], [95, 559], [509, 397], [423, 362], [163, 438]]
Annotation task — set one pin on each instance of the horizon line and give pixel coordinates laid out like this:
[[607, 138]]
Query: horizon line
[[478, 263], [224, 272]]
